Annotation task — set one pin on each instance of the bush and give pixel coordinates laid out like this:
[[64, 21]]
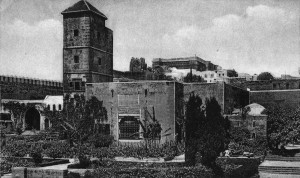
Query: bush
[[200, 171], [36, 153], [100, 140], [17, 148], [58, 149]]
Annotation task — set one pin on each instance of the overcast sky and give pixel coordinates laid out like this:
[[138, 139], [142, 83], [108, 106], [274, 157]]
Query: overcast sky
[[248, 35]]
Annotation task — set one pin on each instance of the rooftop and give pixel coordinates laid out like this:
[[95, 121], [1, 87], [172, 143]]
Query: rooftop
[[83, 6]]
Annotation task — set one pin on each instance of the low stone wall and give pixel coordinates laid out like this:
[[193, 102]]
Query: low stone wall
[[23, 172], [249, 165]]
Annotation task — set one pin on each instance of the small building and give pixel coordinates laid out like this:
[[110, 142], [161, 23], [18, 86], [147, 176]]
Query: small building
[[185, 63], [252, 118], [130, 103]]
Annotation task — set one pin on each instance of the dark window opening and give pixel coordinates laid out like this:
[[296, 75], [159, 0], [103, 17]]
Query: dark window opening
[[54, 107], [83, 84], [59, 107], [98, 35], [287, 86], [76, 32], [99, 61], [274, 86], [71, 84], [76, 59], [129, 128], [146, 92], [253, 136], [77, 85], [253, 124]]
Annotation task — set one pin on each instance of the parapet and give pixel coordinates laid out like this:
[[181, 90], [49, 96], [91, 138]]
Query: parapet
[[29, 81]]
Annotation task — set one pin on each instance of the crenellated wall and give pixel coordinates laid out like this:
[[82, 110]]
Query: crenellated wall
[[27, 88]]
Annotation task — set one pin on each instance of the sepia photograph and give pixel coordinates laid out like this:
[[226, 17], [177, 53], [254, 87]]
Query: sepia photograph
[[150, 88]]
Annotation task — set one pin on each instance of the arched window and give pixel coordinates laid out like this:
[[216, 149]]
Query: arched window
[[59, 107], [253, 136], [54, 108], [48, 107]]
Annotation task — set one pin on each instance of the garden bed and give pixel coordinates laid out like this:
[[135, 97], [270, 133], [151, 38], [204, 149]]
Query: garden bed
[[8, 162]]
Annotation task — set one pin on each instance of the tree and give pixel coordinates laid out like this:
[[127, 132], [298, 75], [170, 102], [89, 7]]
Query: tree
[[194, 119], [190, 78], [79, 118], [207, 132], [232, 73], [214, 133], [18, 111], [282, 126], [265, 76]]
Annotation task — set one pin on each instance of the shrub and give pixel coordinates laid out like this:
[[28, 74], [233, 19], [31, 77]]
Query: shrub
[[17, 148], [36, 153], [57, 149], [100, 140]]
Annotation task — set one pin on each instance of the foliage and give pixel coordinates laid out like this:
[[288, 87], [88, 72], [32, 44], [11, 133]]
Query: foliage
[[36, 153], [282, 126], [194, 119], [207, 132], [100, 140], [155, 170], [214, 133], [232, 73], [240, 142], [190, 78], [17, 110], [57, 149], [249, 166], [7, 163], [17, 148], [265, 76], [79, 117]]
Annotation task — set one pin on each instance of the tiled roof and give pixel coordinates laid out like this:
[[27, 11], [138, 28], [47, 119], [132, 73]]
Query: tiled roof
[[81, 6]]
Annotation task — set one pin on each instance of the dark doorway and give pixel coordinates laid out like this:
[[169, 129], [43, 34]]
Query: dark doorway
[[47, 123], [32, 119]]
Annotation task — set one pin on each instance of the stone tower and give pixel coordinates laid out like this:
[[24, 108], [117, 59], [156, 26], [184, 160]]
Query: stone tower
[[87, 48]]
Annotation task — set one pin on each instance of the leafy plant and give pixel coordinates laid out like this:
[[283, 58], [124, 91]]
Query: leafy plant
[[100, 140], [36, 153]]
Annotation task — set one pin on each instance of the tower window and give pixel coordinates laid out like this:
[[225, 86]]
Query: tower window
[[77, 85], [54, 108], [76, 32], [99, 61], [59, 107], [76, 59], [98, 35]]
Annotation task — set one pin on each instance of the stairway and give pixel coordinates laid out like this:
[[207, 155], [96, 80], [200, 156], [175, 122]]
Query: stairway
[[284, 165], [279, 170], [295, 158]]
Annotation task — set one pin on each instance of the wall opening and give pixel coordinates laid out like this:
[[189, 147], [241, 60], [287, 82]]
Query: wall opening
[[47, 123], [129, 127], [32, 119]]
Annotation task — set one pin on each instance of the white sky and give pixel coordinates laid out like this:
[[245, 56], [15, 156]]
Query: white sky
[[248, 35]]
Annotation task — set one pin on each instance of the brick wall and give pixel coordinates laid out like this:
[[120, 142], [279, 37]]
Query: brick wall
[[25, 88], [159, 96], [205, 90], [228, 96], [272, 97], [267, 84], [234, 98]]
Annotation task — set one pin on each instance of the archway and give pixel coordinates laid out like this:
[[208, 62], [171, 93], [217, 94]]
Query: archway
[[46, 123], [32, 119]]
